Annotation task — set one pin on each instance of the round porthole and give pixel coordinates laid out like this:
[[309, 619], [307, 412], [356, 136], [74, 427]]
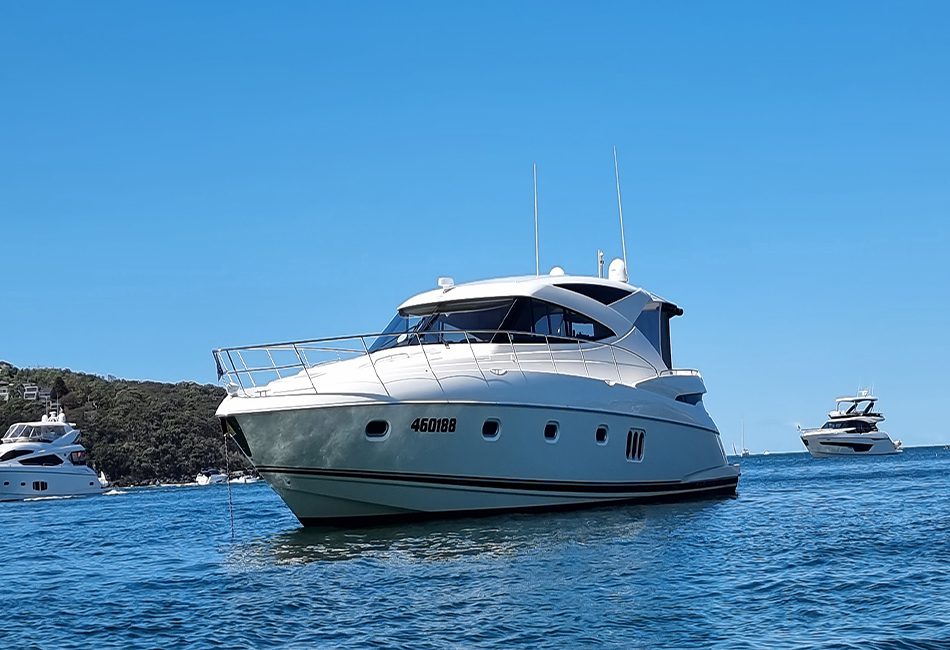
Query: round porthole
[[550, 431], [490, 429], [600, 436]]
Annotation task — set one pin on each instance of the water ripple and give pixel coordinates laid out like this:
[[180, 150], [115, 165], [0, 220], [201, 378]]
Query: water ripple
[[826, 554]]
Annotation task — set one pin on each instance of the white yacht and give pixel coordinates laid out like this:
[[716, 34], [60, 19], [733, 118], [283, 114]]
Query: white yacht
[[211, 476], [507, 394], [851, 429], [45, 459]]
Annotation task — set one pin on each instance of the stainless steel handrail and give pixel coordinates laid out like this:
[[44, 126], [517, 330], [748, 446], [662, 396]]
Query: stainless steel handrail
[[228, 367]]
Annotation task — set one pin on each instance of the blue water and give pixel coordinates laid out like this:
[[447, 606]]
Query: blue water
[[838, 553]]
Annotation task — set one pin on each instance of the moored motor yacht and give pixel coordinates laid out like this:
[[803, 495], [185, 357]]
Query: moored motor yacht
[[211, 476], [851, 429], [507, 394], [45, 459]]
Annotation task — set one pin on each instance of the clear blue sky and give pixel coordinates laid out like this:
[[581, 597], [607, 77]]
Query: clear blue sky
[[180, 176]]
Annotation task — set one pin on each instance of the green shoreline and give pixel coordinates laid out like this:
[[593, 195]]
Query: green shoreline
[[137, 432]]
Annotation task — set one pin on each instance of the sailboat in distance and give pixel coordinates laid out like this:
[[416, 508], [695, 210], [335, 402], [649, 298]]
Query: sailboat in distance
[[745, 450]]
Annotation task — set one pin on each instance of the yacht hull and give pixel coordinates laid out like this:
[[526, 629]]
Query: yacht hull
[[18, 482], [832, 445], [330, 472]]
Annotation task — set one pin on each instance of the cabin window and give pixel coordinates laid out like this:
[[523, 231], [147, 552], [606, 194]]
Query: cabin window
[[45, 432], [859, 426], [443, 323], [690, 398], [634, 450], [481, 320], [491, 428], [550, 431], [648, 324], [15, 453], [40, 486], [600, 435], [654, 323], [46, 461], [377, 428], [544, 319], [77, 458]]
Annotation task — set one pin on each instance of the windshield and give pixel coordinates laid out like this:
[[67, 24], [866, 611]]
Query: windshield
[[44, 432], [536, 320], [437, 326]]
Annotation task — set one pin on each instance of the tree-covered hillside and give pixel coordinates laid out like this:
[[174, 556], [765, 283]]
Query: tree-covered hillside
[[136, 431]]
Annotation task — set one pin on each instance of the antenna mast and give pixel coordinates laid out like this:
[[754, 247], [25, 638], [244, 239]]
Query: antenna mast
[[623, 242], [537, 256]]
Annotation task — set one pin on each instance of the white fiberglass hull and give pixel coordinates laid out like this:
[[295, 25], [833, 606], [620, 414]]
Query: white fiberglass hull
[[824, 445], [216, 479], [18, 482], [330, 472]]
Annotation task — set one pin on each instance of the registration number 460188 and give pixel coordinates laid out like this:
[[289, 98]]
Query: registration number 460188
[[433, 425]]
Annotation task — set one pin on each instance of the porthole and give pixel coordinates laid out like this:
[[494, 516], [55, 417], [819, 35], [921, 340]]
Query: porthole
[[6, 482], [377, 429], [491, 428], [550, 431], [600, 436]]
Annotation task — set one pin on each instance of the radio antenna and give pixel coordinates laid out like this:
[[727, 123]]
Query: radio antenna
[[623, 242], [537, 255]]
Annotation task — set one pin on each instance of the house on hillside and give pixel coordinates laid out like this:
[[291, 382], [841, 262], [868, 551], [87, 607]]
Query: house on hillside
[[4, 392], [31, 392]]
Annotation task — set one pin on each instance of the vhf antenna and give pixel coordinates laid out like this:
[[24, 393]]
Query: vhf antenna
[[623, 242], [537, 256]]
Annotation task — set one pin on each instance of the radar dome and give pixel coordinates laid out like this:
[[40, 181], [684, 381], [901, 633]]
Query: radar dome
[[617, 270]]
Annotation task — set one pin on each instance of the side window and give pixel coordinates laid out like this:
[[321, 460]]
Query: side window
[[557, 321], [648, 324], [582, 327], [545, 319], [548, 319]]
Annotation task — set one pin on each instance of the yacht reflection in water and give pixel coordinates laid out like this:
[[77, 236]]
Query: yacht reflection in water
[[505, 535]]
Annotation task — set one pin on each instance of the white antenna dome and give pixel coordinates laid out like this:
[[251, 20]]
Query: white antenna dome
[[446, 283], [617, 270], [556, 271]]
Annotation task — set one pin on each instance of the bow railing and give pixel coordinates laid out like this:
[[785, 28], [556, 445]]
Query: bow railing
[[249, 369]]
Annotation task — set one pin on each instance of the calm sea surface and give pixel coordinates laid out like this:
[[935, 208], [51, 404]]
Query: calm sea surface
[[821, 553]]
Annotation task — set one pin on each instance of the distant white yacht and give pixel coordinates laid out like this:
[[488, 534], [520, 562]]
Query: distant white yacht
[[45, 459], [211, 476], [851, 429]]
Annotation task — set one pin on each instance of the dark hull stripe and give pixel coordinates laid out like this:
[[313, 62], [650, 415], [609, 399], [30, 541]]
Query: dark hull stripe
[[576, 487], [403, 517]]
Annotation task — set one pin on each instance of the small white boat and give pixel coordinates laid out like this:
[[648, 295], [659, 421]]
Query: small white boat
[[244, 479], [211, 476], [851, 430], [45, 459]]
